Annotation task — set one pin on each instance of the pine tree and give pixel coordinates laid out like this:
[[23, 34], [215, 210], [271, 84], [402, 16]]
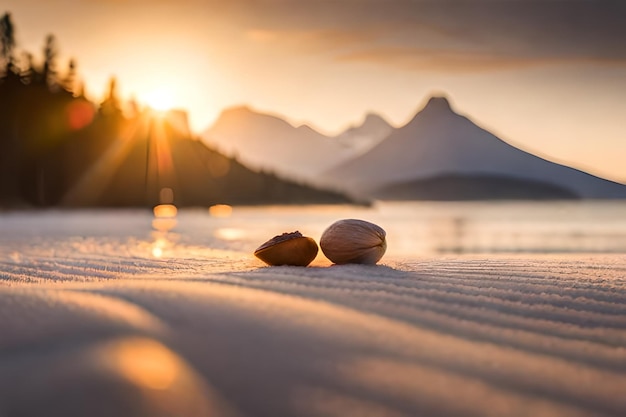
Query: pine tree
[[70, 77], [110, 106], [7, 39], [50, 53]]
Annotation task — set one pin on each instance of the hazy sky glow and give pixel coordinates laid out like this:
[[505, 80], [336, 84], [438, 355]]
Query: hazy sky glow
[[549, 76]]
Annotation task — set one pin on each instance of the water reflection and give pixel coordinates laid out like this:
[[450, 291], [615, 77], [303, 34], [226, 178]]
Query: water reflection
[[415, 228], [164, 225], [161, 242], [426, 228], [165, 211], [230, 233], [221, 210], [164, 217], [163, 222], [491, 235]]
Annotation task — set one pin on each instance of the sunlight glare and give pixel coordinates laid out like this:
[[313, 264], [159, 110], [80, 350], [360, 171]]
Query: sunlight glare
[[230, 233], [147, 378], [157, 252], [147, 363], [164, 224], [160, 99]]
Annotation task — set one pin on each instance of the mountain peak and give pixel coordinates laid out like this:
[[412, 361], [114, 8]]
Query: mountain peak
[[373, 121], [436, 108], [238, 110], [438, 103], [370, 116]]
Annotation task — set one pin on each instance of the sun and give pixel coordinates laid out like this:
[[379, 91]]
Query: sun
[[160, 99]]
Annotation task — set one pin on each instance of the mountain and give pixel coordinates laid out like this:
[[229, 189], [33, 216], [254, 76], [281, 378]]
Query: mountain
[[438, 143], [368, 134], [266, 142]]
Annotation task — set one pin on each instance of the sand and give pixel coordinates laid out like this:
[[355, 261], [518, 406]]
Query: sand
[[91, 330]]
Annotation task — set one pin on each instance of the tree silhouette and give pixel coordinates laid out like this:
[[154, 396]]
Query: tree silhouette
[[50, 53], [56, 147], [34, 121], [10, 87], [110, 106], [69, 80], [7, 38]]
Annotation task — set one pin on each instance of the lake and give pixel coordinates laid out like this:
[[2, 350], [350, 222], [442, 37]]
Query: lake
[[413, 228]]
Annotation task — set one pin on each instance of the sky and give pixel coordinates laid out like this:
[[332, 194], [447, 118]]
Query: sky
[[548, 76]]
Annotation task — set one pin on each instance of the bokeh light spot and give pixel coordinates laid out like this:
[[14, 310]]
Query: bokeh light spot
[[221, 210], [79, 114], [164, 211]]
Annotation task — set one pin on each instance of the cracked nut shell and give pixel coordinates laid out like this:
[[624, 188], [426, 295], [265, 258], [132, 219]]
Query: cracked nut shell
[[288, 249]]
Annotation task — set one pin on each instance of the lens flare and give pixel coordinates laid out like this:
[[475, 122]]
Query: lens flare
[[79, 114]]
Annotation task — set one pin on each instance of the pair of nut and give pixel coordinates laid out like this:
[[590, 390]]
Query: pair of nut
[[344, 242]]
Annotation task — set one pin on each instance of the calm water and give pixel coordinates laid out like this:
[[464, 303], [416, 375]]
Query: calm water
[[474, 227], [414, 228]]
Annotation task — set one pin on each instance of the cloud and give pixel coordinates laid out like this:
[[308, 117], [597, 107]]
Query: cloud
[[312, 40], [422, 59], [447, 34], [437, 60]]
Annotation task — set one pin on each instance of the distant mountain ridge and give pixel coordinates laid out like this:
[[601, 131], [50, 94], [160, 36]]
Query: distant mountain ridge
[[269, 143], [438, 142], [368, 134]]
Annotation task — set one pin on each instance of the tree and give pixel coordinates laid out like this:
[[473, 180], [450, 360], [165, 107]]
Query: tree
[[70, 77], [50, 53], [7, 38], [110, 106]]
